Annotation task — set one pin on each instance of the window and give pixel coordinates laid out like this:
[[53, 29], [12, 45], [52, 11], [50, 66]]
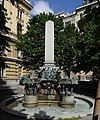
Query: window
[[18, 54], [2, 72], [19, 14], [81, 15], [19, 30]]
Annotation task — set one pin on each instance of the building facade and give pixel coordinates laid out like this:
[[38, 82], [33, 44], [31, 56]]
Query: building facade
[[17, 20], [77, 14]]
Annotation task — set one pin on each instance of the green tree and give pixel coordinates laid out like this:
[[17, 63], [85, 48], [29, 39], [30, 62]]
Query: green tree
[[88, 47], [88, 43], [3, 37], [65, 55], [32, 43]]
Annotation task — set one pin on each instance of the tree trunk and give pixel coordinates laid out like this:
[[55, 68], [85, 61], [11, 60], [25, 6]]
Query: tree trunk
[[0, 73], [97, 103], [96, 112]]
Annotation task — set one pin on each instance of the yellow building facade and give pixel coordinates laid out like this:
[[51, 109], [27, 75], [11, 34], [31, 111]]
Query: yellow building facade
[[17, 20]]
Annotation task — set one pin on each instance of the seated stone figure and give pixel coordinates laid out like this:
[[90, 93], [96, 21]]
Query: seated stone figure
[[30, 89], [25, 79]]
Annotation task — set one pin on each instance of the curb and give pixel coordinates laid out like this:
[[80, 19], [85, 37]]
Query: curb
[[4, 107], [6, 102]]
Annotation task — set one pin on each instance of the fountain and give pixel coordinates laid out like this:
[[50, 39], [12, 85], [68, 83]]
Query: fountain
[[48, 93], [48, 90]]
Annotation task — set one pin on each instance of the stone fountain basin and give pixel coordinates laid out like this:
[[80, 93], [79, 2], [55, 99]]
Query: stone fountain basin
[[83, 107]]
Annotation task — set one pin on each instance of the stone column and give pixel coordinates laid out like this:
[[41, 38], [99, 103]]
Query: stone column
[[49, 43]]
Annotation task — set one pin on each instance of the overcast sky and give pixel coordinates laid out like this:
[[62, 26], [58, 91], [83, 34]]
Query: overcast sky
[[54, 6]]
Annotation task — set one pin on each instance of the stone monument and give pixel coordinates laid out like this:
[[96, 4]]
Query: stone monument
[[48, 89], [49, 69], [49, 44]]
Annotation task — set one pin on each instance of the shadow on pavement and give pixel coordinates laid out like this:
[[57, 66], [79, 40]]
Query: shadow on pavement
[[7, 92]]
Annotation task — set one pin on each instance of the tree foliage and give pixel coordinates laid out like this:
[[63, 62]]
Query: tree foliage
[[65, 55], [88, 44], [3, 36], [32, 43]]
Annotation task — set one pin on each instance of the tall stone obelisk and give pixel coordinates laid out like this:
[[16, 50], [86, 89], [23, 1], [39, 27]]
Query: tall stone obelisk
[[49, 43]]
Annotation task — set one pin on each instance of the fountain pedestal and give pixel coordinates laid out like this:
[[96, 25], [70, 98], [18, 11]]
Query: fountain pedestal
[[30, 101], [67, 101]]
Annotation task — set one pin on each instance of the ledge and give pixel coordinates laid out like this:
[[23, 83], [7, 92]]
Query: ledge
[[6, 102], [4, 107]]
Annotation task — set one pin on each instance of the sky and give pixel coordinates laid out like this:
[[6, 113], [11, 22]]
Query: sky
[[55, 6]]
